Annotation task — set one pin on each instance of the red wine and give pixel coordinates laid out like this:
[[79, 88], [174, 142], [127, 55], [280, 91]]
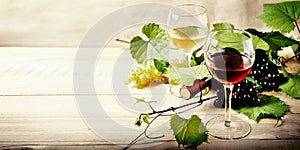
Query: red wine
[[229, 68]]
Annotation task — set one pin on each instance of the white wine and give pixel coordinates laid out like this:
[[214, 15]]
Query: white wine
[[188, 38]]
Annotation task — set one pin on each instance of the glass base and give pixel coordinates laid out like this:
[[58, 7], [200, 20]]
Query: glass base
[[236, 129]]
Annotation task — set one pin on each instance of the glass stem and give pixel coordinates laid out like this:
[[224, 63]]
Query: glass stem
[[228, 95], [189, 59]]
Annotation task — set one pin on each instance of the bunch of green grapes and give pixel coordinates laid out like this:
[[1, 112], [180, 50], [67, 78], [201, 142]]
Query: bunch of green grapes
[[142, 76]]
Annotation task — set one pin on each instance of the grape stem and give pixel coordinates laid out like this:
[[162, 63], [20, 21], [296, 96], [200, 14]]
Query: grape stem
[[297, 26], [291, 58], [144, 133], [179, 107], [161, 113], [123, 41]]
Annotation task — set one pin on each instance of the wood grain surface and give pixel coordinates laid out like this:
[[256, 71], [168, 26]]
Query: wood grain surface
[[39, 110]]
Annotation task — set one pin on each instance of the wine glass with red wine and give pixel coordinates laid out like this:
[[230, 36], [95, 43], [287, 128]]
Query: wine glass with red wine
[[229, 56]]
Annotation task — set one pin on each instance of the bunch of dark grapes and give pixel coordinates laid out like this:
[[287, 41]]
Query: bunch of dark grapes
[[266, 73], [244, 94]]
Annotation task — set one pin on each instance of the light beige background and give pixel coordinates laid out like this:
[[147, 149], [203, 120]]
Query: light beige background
[[37, 99], [57, 23]]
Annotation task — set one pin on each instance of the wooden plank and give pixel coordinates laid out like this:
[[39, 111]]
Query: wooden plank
[[44, 119], [51, 70], [212, 145]]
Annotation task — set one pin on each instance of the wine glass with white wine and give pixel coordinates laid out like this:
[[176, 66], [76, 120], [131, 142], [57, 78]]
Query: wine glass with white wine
[[187, 28]]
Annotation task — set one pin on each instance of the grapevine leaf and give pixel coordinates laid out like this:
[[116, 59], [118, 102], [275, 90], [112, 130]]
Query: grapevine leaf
[[281, 16], [188, 132], [161, 65], [197, 57], [146, 118], [155, 47], [186, 32], [296, 48], [187, 76], [138, 122], [292, 86], [141, 100], [138, 47], [259, 43], [222, 26], [154, 32], [270, 106], [276, 40], [227, 39]]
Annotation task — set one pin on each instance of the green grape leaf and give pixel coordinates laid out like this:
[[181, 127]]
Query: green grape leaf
[[296, 48], [187, 76], [197, 57], [223, 26], [146, 118], [276, 40], [281, 16], [138, 122], [188, 132], [154, 32], [161, 65], [228, 39], [292, 86], [259, 43], [186, 32], [270, 106], [155, 47], [141, 100], [138, 47]]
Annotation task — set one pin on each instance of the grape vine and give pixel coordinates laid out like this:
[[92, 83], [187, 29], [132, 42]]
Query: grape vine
[[161, 113]]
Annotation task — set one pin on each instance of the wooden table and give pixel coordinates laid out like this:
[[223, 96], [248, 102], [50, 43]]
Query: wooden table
[[39, 108]]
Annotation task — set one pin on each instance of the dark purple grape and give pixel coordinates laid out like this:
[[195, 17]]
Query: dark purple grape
[[266, 73], [244, 94]]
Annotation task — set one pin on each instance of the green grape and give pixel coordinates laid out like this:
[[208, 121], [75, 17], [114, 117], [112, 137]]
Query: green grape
[[142, 76], [144, 80], [154, 73]]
